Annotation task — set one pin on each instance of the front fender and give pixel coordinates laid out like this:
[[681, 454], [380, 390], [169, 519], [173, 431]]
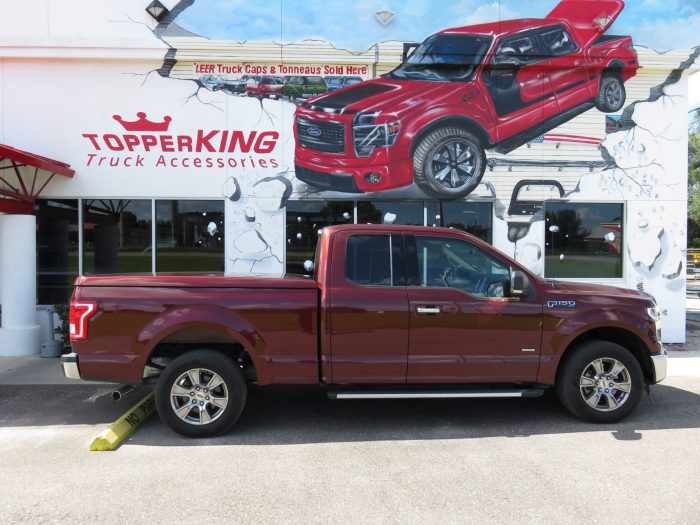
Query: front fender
[[560, 333]]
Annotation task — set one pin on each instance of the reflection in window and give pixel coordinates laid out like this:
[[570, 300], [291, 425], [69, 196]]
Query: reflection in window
[[471, 217], [117, 236], [190, 236], [583, 240], [304, 219], [390, 212], [56, 250], [458, 264]]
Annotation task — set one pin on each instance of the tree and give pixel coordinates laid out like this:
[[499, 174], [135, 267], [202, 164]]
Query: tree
[[694, 181]]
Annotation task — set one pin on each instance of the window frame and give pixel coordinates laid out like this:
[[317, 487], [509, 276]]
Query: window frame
[[623, 246]]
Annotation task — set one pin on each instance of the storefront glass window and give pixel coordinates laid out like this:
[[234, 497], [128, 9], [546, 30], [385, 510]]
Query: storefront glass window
[[190, 236], [390, 212], [117, 236], [304, 219], [583, 240], [471, 217], [56, 250]]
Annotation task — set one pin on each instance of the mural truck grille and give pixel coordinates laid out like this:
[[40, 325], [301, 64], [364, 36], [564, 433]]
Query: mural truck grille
[[328, 137]]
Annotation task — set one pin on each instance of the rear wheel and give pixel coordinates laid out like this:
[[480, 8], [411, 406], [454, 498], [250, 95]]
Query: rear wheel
[[201, 393], [600, 382], [611, 94], [449, 163]]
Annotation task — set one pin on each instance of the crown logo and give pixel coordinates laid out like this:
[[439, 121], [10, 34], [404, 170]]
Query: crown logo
[[143, 124]]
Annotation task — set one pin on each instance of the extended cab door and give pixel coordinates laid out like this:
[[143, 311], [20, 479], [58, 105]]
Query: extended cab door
[[569, 71], [517, 80], [464, 329], [368, 308]]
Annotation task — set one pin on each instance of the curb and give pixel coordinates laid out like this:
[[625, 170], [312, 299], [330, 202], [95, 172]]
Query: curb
[[123, 427]]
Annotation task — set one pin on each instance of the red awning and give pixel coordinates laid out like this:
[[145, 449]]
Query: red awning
[[20, 188]]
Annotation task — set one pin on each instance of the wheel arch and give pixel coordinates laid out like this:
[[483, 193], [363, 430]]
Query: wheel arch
[[613, 68], [451, 121], [620, 336], [188, 328]]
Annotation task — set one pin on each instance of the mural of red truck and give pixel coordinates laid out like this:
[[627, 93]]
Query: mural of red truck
[[463, 91]]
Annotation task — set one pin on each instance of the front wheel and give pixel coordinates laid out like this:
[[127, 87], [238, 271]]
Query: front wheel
[[611, 94], [201, 393], [449, 163], [600, 382]]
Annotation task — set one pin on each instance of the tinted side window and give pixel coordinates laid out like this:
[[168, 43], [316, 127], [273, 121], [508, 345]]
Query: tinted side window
[[444, 262], [558, 42], [368, 260], [521, 49], [315, 81]]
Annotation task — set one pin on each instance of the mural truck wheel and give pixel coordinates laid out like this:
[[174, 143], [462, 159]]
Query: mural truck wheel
[[449, 163], [611, 95], [600, 382]]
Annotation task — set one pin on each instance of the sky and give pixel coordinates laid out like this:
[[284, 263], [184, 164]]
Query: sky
[[658, 24]]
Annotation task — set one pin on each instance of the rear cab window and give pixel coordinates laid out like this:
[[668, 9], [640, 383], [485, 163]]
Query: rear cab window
[[558, 41], [375, 260]]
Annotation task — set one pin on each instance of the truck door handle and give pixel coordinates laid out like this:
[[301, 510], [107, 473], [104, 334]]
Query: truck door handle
[[427, 310]]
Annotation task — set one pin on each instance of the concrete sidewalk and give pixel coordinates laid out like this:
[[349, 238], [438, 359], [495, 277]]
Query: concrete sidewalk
[[33, 370]]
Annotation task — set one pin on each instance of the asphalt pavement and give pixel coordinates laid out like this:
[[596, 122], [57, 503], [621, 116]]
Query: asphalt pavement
[[297, 457]]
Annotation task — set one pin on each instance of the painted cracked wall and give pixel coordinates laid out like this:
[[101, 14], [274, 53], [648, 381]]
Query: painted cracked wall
[[641, 163]]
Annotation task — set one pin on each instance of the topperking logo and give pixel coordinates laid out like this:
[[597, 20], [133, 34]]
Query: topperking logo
[[146, 143]]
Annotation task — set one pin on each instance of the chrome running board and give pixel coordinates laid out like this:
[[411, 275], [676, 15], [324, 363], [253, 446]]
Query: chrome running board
[[433, 394]]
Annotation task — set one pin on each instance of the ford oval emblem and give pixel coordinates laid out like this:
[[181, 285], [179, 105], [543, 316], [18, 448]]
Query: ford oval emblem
[[314, 131]]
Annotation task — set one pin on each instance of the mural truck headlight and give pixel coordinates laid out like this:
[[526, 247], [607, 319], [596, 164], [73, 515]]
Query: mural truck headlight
[[366, 135]]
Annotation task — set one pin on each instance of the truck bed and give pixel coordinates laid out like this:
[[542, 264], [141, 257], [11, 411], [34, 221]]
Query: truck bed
[[274, 319]]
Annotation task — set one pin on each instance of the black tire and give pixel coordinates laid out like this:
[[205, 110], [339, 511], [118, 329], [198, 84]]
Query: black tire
[[194, 423], [578, 382], [429, 163], [292, 97], [611, 94]]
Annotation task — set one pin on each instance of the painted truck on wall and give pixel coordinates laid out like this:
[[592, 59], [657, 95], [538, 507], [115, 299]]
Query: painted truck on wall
[[462, 91]]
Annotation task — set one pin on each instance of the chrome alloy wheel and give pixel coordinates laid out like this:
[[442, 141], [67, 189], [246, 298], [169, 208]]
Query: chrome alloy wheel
[[453, 164], [199, 396], [605, 384], [613, 95]]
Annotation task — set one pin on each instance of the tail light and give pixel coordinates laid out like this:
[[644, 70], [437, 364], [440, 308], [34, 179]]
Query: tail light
[[80, 313]]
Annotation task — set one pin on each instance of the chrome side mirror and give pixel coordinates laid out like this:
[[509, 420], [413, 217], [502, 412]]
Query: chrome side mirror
[[309, 266]]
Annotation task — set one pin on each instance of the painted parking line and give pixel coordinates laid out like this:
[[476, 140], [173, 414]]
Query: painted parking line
[[123, 427]]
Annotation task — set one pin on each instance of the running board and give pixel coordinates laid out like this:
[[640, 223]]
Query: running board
[[543, 127], [434, 394]]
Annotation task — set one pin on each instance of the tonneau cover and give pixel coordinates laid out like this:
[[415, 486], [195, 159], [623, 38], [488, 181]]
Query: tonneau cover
[[197, 281], [588, 18]]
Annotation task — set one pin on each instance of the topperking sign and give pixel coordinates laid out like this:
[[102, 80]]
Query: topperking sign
[[143, 143]]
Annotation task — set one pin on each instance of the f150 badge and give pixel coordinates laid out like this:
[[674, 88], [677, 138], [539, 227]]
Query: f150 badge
[[561, 304]]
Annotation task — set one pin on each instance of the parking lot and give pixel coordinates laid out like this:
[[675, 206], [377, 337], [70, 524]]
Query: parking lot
[[296, 456]]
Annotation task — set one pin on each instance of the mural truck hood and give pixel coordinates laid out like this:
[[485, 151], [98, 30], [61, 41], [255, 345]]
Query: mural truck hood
[[386, 95]]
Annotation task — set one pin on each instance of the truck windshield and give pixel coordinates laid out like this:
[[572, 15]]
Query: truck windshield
[[444, 57]]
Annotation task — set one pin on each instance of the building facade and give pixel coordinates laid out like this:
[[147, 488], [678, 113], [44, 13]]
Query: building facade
[[184, 162]]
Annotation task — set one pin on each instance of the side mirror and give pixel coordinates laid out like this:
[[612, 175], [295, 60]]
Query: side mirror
[[519, 284], [309, 266]]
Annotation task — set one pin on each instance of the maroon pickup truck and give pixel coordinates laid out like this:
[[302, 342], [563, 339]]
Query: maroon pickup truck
[[390, 312]]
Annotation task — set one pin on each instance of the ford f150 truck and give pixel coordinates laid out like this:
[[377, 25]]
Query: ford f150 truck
[[462, 91], [391, 311]]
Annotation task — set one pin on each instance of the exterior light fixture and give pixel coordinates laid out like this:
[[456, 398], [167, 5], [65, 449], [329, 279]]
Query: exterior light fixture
[[156, 10], [384, 17]]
